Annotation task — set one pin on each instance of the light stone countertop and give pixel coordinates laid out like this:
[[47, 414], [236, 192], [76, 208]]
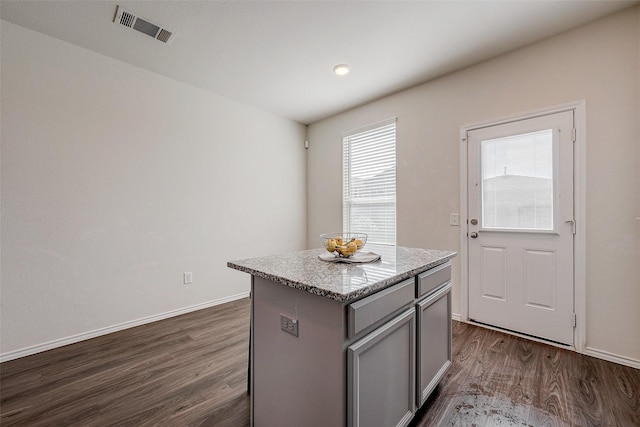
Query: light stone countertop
[[340, 281]]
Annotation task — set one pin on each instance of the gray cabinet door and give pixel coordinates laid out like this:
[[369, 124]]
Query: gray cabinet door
[[381, 375], [434, 341]]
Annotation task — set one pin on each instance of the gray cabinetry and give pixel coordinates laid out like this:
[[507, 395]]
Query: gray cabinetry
[[371, 310], [379, 391], [434, 340], [319, 358], [433, 279], [381, 370]]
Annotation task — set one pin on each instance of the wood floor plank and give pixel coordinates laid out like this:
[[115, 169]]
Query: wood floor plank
[[182, 370], [551, 400], [498, 379], [625, 409], [191, 370]]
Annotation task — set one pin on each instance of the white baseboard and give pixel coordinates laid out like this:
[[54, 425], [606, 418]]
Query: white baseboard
[[456, 316], [605, 355], [28, 351]]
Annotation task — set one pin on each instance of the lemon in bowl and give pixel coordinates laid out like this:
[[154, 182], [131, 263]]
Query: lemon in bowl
[[343, 244]]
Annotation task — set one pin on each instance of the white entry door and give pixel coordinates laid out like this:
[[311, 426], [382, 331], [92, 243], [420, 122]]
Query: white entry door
[[521, 226]]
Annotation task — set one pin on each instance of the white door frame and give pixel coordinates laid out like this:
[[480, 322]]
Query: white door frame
[[579, 180]]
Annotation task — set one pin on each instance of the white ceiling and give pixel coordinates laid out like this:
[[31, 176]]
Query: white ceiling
[[278, 55]]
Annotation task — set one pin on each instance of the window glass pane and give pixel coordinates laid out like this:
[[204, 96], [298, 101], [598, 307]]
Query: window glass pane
[[517, 181], [369, 178]]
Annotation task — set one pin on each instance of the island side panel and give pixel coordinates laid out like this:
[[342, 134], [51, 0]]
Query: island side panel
[[297, 380]]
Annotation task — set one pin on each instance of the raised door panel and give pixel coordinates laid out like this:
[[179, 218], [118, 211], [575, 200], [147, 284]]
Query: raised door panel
[[434, 341], [494, 273], [539, 278], [381, 375]]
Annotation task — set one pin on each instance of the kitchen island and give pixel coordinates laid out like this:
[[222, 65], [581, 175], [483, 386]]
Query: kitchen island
[[336, 344]]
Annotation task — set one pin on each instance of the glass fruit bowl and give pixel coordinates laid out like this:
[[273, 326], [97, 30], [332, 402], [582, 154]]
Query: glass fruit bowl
[[343, 244]]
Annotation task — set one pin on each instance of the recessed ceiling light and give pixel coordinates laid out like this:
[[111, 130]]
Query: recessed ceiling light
[[341, 69]]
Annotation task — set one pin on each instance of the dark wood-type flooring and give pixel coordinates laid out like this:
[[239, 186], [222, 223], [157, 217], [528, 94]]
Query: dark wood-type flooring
[[501, 380], [191, 370], [187, 370]]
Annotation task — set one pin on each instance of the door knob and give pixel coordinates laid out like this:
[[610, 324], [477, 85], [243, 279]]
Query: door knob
[[473, 235], [474, 221]]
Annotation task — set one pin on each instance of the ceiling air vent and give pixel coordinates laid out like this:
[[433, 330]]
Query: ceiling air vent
[[131, 20]]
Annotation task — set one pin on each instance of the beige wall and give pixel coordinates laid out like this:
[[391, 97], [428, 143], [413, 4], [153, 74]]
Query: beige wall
[[598, 63], [116, 180]]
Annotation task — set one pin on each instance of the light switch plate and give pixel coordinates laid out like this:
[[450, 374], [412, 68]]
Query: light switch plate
[[454, 219]]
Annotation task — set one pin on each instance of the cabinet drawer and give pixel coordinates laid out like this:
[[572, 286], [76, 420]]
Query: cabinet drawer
[[434, 278], [376, 307]]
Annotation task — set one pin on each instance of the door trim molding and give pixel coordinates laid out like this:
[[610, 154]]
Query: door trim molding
[[579, 183]]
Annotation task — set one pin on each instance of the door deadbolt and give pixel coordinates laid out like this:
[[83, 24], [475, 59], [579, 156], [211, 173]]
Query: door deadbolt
[[473, 235], [474, 221]]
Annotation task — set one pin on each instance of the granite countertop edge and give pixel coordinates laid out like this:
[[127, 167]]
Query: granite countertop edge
[[344, 297]]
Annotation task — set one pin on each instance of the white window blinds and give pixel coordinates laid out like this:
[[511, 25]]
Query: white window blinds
[[369, 182]]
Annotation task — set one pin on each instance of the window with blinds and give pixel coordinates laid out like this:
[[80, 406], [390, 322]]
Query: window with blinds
[[369, 182]]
